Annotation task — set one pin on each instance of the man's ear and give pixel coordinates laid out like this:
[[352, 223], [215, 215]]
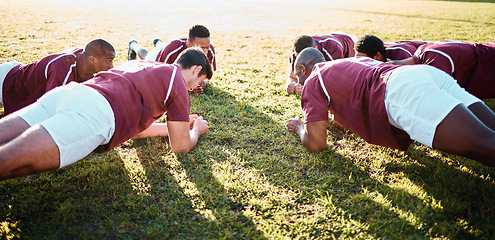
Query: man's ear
[[197, 70], [303, 70], [378, 56], [92, 59]]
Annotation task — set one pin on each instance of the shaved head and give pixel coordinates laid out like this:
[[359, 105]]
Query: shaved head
[[305, 62], [98, 47]]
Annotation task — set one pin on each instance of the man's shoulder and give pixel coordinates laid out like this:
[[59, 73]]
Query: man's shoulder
[[58, 60], [177, 42], [175, 45], [444, 44], [336, 37], [136, 66], [321, 36], [76, 50], [446, 48], [404, 46], [330, 42]]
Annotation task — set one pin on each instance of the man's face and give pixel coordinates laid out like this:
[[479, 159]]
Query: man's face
[[203, 43], [196, 81], [192, 78], [301, 78], [104, 62]]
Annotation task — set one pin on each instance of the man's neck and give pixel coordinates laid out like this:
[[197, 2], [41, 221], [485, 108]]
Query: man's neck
[[82, 73]]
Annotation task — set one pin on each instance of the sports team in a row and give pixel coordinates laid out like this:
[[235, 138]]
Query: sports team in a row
[[65, 106]]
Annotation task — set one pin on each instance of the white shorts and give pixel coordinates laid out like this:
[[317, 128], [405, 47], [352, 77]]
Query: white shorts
[[153, 54], [419, 97], [77, 117], [4, 70]]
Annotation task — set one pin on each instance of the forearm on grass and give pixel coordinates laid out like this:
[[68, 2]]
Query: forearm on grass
[[154, 130]]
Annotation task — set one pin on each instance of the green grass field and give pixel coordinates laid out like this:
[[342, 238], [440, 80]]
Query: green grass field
[[248, 178]]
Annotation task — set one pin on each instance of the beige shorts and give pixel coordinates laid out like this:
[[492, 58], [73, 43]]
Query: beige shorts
[[419, 97], [4, 70], [77, 117]]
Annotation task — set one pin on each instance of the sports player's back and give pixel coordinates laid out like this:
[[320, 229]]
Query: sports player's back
[[471, 64]]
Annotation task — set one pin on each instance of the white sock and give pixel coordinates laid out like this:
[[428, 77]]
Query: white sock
[[134, 46]]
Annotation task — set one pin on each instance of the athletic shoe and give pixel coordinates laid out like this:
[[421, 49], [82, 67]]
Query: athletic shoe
[[156, 41], [131, 54]]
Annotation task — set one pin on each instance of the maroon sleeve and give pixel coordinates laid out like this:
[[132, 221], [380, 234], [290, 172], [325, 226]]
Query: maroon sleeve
[[59, 72], [333, 48], [399, 51], [211, 57], [178, 103], [314, 102], [437, 60], [170, 52]]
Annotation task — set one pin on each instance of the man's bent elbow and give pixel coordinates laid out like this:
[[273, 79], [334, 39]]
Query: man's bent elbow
[[182, 149], [316, 147]]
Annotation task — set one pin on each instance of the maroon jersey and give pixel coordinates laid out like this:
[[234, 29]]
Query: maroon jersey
[[481, 83], [471, 64], [399, 50], [415, 43], [333, 46], [170, 52], [139, 92], [24, 84], [353, 89]]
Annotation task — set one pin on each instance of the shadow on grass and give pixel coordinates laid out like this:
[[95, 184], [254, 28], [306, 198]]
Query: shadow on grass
[[464, 188], [72, 202], [103, 197], [205, 194], [199, 208], [243, 137]]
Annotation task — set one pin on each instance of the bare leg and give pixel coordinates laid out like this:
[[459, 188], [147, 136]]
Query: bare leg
[[11, 127], [462, 133], [484, 114], [32, 152]]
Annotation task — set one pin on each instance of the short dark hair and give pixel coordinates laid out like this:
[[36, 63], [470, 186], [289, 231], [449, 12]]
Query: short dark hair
[[98, 47], [303, 41], [195, 56], [198, 31], [370, 45]]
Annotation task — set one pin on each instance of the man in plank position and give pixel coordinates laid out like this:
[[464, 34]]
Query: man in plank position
[[71, 121], [21, 85], [199, 36], [389, 105], [332, 46], [373, 47], [471, 64]]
